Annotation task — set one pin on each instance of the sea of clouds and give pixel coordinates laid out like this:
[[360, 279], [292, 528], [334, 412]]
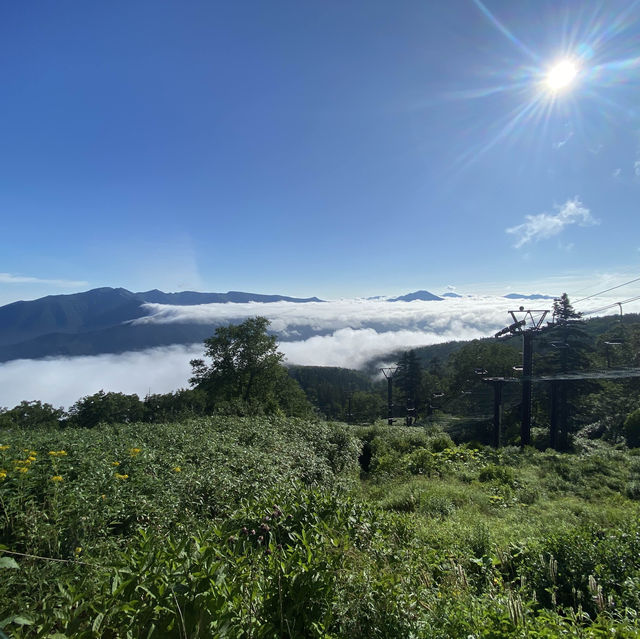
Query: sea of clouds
[[347, 333]]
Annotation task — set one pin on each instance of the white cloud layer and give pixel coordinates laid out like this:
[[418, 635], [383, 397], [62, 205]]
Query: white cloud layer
[[62, 381], [355, 332], [546, 225], [351, 348], [290, 319]]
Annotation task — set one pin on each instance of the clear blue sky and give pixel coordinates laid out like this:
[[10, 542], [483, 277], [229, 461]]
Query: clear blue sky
[[316, 148]]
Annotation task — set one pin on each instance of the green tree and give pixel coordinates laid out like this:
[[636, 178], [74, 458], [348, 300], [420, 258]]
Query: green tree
[[632, 429], [245, 373], [244, 360], [106, 408], [367, 406], [328, 387], [566, 348], [563, 309], [289, 396], [31, 415], [166, 407], [480, 358], [570, 342]]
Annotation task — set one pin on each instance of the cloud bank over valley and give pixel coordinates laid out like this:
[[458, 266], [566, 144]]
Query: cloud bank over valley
[[347, 333], [448, 318]]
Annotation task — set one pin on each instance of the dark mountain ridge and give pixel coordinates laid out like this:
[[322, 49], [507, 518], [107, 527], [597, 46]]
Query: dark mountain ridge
[[424, 296], [79, 312], [100, 321]]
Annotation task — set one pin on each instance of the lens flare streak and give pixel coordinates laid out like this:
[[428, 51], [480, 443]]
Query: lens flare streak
[[566, 89]]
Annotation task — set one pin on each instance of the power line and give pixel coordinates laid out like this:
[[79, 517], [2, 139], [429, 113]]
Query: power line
[[604, 308], [637, 279], [631, 271]]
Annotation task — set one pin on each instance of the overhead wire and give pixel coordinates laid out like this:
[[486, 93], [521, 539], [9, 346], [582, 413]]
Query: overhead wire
[[624, 273], [613, 288], [612, 305]]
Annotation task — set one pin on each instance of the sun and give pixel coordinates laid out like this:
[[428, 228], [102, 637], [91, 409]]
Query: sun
[[561, 76]]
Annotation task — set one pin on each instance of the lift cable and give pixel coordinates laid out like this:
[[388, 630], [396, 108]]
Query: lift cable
[[606, 291], [604, 308]]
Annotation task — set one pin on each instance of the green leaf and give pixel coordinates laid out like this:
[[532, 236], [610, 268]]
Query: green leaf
[[19, 620], [97, 622], [8, 562]]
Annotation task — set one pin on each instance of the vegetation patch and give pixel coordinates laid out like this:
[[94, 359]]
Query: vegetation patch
[[259, 527]]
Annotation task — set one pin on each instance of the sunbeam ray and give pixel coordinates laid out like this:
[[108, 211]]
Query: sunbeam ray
[[506, 32]]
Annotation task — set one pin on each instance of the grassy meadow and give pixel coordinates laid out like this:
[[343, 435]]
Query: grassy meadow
[[280, 527]]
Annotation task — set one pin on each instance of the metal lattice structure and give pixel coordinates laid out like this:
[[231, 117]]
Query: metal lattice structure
[[556, 381]]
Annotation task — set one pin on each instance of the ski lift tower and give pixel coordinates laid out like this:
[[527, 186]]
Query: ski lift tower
[[389, 372], [527, 323]]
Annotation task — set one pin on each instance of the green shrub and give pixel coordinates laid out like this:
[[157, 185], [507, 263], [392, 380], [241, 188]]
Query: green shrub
[[632, 490], [631, 429], [499, 474], [439, 443]]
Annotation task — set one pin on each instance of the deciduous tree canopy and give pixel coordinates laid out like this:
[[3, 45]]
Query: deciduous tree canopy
[[246, 368]]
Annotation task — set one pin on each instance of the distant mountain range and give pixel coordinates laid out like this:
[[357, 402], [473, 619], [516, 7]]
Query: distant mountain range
[[103, 320], [100, 321], [423, 296], [536, 296]]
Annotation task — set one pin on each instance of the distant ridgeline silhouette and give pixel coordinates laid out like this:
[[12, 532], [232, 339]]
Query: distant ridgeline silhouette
[[535, 296], [100, 321], [423, 296]]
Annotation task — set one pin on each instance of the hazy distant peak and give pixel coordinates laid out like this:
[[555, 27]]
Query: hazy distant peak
[[535, 296], [424, 296]]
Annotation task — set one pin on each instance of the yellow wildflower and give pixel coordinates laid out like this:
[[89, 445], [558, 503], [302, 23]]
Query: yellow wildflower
[[177, 469], [3, 474], [57, 478], [135, 451], [57, 453], [115, 463], [23, 469], [5, 447], [31, 459], [119, 476], [78, 550]]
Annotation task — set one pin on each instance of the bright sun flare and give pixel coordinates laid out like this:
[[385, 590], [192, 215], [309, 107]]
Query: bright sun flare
[[561, 75]]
